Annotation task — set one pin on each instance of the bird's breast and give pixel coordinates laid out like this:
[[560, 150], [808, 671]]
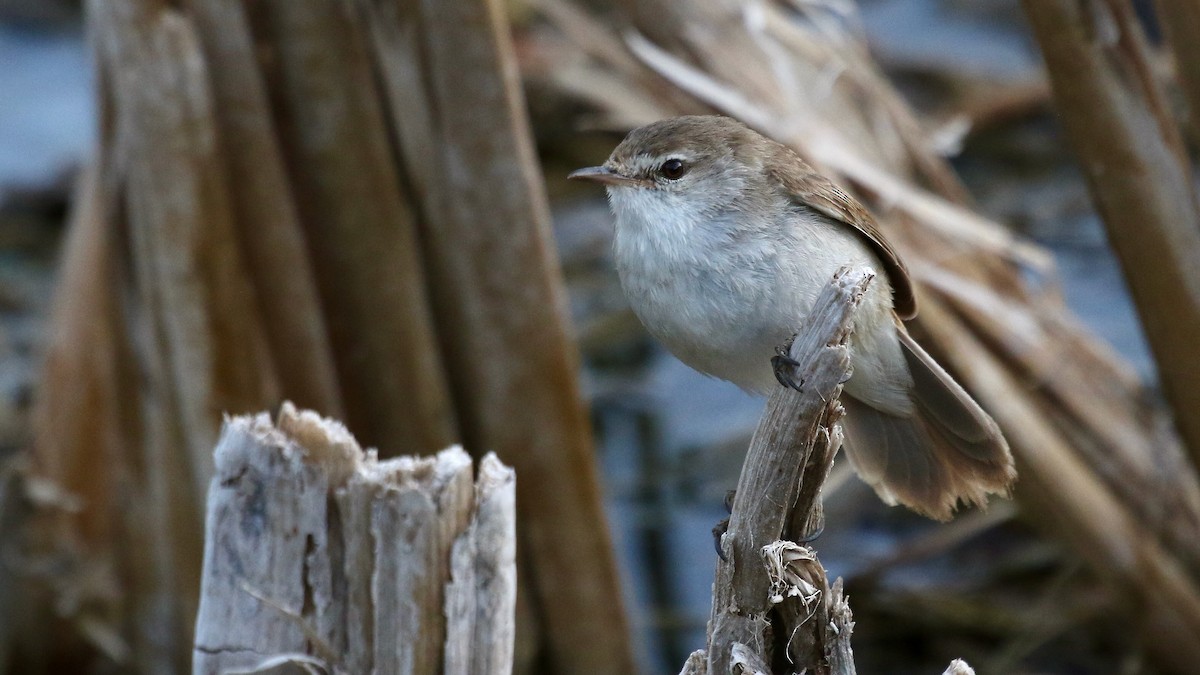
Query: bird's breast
[[721, 295], [709, 291]]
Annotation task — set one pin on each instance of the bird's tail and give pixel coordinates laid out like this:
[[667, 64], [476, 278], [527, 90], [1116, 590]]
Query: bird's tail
[[948, 450]]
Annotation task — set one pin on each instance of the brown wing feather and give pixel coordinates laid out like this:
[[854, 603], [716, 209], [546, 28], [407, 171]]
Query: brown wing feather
[[812, 190]]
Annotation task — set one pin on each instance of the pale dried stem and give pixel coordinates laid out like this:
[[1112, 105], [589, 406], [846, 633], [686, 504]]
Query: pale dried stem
[[778, 496], [1139, 175]]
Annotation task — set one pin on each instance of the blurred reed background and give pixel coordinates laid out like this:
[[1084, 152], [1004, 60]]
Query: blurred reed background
[[337, 202]]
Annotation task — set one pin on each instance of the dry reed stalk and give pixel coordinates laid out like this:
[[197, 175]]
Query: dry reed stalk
[[265, 209], [402, 62], [202, 332], [1180, 20], [1139, 176], [130, 391], [83, 382], [197, 341], [359, 224], [494, 278]]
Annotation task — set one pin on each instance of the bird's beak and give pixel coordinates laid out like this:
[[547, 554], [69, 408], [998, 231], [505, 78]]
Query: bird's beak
[[605, 175]]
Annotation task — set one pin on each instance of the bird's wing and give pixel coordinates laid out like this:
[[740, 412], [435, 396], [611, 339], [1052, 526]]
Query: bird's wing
[[809, 189]]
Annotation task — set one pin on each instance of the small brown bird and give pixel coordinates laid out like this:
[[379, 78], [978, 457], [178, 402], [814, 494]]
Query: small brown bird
[[724, 239]]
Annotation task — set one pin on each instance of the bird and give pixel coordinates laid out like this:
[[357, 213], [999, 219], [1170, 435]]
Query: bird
[[723, 240]]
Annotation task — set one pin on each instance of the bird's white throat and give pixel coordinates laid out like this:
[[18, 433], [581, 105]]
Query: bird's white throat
[[701, 283]]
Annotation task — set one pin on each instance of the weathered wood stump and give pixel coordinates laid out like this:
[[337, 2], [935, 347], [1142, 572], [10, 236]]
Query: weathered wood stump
[[774, 609], [771, 599], [321, 558]]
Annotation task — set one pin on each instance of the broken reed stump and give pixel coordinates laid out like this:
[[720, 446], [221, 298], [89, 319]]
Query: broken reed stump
[[772, 603], [774, 610], [319, 557]]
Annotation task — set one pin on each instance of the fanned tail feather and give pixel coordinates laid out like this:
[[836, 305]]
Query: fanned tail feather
[[948, 451]]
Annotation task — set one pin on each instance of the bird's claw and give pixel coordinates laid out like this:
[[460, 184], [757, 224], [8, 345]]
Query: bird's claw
[[784, 366], [719, 531], [722, 527]]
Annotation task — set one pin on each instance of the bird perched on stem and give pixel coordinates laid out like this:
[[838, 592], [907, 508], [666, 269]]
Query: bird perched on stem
[[724, 239]]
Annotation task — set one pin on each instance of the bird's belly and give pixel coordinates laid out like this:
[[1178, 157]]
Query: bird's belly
[[724, 332], [723, 304], [732, 331]]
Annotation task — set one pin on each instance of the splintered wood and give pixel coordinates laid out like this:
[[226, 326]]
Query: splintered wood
[[772, 600], [324, 558], [758, 599]]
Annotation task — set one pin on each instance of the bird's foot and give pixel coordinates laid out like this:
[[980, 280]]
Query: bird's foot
[[719, 531], [785, 367], [722, 527]]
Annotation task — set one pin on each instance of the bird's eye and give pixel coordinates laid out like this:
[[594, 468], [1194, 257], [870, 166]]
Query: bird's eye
[[672, 169]]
